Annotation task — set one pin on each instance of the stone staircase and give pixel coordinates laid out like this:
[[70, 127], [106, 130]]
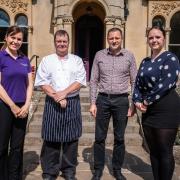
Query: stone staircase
[[33, 136], [136, 163]]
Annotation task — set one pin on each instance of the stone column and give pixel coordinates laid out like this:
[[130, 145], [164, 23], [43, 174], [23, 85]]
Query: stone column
[[30, 31]]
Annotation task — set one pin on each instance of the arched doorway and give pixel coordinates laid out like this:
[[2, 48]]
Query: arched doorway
[[89, 32], [89, 39], [174, 41]]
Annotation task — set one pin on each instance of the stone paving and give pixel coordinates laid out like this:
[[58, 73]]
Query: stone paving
[[136, 164]]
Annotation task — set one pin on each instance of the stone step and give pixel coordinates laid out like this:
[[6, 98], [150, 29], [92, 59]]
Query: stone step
[[87, 127], [84, 99], [84, 89], [87, 139]]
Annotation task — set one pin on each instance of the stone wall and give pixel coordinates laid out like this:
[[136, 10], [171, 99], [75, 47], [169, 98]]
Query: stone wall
[[43, 32]]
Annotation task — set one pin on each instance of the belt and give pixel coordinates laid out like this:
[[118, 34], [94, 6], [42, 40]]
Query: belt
[[113, 95]]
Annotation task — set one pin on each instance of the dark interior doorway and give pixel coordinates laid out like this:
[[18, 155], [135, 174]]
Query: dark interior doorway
[[174, 41], [89, 34]]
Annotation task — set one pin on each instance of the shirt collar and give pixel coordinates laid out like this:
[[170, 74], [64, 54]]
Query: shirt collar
[[4, 52], [65, 58], [120, 53]]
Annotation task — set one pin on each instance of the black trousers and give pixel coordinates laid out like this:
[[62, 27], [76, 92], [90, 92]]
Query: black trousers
[[57, 156], [12, 134], [117, 107]]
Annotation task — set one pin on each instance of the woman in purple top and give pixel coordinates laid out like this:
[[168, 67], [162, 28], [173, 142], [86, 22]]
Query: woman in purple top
[[15, 95], [155, 96]]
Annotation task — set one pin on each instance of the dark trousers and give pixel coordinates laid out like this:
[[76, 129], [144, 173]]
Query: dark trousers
[[117, 107], [57, 156], [12, 134]]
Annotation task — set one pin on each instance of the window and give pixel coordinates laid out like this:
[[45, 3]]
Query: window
[[22, 21], [159, 21], [174, 39], [4, 24]]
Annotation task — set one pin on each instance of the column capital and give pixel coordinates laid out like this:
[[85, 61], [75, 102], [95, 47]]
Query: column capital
[[30, 29], [115, 20], [62, 20]]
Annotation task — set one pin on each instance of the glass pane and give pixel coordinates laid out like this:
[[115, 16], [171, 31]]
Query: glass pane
[[1, 44], [25, 32], [175, 36], [158, 21], [3, 33], [175, 50], [24, 49], [4, 18], [21, 20], [175, 29]]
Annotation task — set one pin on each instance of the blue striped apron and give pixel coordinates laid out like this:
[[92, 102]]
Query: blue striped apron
[[62, 124]]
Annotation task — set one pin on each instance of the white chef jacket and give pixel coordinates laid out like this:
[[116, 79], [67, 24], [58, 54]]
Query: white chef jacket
[[61, 73]]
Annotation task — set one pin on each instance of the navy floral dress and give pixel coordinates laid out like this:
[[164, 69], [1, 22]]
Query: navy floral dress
[[155, 82]]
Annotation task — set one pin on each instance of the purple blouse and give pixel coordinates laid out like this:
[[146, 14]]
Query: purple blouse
[[14, 75]]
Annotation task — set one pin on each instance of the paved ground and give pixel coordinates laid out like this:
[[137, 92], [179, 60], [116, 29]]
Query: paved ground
[[136, 165]]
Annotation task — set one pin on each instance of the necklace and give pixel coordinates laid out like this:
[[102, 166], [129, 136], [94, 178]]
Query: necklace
[[154, 57]]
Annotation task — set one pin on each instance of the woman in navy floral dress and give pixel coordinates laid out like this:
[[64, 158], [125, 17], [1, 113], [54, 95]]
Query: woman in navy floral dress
[[155, 96]]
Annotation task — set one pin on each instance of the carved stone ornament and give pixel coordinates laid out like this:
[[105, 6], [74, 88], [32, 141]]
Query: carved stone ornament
[[110, 19], [113, 19], [164, 8], [67, 19], [15, 5]]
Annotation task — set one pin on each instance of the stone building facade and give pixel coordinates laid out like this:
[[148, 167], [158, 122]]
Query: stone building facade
[[87, 22]]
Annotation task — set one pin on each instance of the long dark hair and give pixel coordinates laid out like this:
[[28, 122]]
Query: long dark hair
[[12, 30]]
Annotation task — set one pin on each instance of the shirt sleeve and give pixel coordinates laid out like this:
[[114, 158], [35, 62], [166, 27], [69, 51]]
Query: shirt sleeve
[[137, 94], [29, 68], [133, 73], [1, 64], [169, 76], [94, 79], [42, 76], [81, 73]]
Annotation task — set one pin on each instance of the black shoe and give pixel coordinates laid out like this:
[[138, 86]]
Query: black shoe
[[68, 176], [49, 178], [97, 175], [118, 176]]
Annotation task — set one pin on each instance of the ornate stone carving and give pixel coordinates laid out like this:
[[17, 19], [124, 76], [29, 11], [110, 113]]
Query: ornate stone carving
[[110, 19], [67, 19], [30, 29], [164, 8], [62, 19], [114, 19], [15, 5]]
